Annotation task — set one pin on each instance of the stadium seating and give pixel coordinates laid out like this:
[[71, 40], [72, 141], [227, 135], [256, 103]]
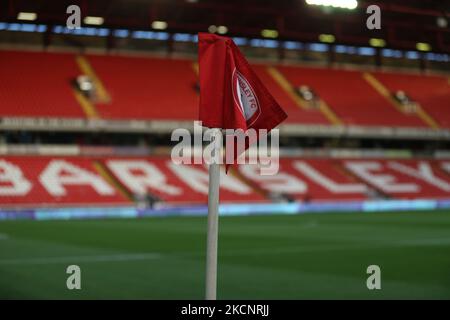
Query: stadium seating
[[306, 180], [403, 179], [77, 181], [54, 181], [143, 88], [432, 92], [295, 112], [176, 184], [350, 96], [147, 88], [37, 84]]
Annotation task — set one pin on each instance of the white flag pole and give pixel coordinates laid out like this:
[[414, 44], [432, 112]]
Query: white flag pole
[[213, 221]]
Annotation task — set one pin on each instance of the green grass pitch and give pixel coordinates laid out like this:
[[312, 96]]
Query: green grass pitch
[[311, 256]]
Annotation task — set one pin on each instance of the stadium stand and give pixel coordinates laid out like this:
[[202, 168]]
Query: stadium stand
[[37, 84], [297, 114], [430, 91], [46, 181], [142, 88], [352, 98], [173, 183], [306, 180], [403, 179], [54, 181]]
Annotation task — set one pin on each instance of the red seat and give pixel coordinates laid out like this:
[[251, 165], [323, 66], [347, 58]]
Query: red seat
[[296, 114], [37, 84], [24, 182], [432, 92], [350, 96], [65, 181], [176, 184], [317, 180], [401, 179], [147, 88]]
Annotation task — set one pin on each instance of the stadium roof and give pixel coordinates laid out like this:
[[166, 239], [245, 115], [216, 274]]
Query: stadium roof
[[404, 23]]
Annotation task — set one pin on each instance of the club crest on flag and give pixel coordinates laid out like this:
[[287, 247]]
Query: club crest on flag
[[245, 98]]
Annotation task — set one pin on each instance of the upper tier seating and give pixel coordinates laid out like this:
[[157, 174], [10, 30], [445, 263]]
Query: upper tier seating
[[147, 88], [350, 96], [37, 84], [432, 92], [296, 113]]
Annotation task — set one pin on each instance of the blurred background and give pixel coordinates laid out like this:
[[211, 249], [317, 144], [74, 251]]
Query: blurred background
[[86, 117]]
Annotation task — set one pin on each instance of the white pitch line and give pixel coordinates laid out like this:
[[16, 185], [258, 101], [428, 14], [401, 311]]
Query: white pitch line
[[81, 259], [4, 236]]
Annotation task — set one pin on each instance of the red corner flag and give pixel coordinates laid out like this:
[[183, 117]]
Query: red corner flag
[[231, 95]]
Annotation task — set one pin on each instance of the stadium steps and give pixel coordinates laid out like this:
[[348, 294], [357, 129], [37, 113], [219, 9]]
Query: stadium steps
[[432, 92], [353, 99], [109, 177], [195, 67], [144, 88], [383, 91], [37, 84], [295, 113], [326, 111], [87, 106], [102, 95], [356, 178], [342, 170], [34, 188], [252, 184]]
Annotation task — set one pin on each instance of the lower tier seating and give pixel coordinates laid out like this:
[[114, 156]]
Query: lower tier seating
[[77, 181]]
